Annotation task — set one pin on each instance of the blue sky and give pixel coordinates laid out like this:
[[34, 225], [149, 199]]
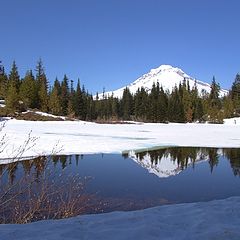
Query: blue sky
[[110, 43]]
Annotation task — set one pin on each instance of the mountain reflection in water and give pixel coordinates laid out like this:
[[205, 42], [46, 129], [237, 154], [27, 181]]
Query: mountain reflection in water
[[180, 174], [171, 161]]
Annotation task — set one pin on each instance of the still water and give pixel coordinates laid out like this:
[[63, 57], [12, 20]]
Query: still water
[[137, 180]]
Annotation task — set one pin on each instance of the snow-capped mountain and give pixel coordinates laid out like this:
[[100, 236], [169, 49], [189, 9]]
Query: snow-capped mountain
[[167, 76]]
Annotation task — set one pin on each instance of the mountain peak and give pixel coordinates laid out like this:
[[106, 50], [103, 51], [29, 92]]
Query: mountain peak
[[168, 77], [164, 67]]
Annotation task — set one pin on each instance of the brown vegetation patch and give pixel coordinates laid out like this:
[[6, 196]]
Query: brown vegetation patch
[[32, 116]]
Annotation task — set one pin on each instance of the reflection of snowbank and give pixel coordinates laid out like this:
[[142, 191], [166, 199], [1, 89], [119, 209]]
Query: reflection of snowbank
[[217, 219], [164, 167]]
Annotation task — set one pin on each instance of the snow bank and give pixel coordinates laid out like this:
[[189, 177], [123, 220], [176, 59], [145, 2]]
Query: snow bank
[[78, 137], [217, 219], [232, 121], [44, 114]]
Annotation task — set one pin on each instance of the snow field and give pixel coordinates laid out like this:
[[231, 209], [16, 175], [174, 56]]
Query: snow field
[[77, 137], [217, 219]]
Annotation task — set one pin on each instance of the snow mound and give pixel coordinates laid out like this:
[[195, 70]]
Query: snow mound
[[44, 114], [217, 219], [232, 121], [168, 77]]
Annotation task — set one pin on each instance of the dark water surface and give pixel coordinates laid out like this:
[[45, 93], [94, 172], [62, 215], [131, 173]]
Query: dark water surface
[[145, 179]]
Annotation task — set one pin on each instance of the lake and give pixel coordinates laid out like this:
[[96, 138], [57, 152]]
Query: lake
[[141, 179]]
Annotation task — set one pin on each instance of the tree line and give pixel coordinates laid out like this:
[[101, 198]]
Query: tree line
[[182, 104]]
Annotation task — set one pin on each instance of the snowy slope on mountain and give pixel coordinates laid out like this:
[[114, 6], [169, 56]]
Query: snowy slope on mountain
[[167, 76]]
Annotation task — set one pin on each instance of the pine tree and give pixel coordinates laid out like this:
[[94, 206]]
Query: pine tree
[[153, 112], [141, 104], [214, 93], [198, 110], [235, 94], [228, 107], [91, 109], [42, 87], [78, 100], [175, 107], [84, 103], [64, 95], [28, 90], [163, 106], [215, 103], [3, 85], [14, 77], [54, 99], [127, 104], [187, 102], [115, 108], [71, 100], [12, 99]]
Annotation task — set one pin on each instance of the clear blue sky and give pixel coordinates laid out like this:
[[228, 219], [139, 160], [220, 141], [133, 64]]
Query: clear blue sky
[[110, 43]]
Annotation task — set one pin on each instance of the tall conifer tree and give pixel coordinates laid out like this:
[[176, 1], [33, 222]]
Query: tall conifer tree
[[42, 87]]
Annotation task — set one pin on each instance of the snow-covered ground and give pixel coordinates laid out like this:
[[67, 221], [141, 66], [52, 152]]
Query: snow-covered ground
[[210, 220], [217, 219], [232, 121], [77, 137], [44, 114]]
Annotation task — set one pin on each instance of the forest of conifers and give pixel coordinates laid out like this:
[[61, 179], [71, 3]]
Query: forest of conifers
[[181, 104]]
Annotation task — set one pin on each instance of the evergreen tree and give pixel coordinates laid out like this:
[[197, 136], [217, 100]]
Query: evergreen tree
[[198, 110], [2, 72], [153, 111], [28, 91], [12, 99], [163, 106], [14, 77], [186, 101], [127, 104], [64, 95], [91, 109], [115, 107], [214, 94], [214, 112], [84, 103], [228, 107], [141, 104], [78, 101], [3, 84], [235, 94], [175, 107], [71, 100], [42, 87], [54, 100]]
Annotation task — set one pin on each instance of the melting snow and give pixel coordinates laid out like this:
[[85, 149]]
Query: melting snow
[[78, 137], [217, 219]]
